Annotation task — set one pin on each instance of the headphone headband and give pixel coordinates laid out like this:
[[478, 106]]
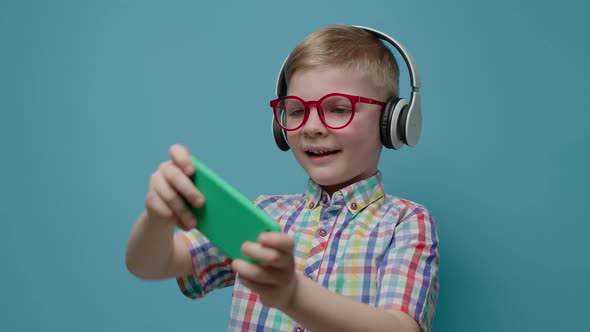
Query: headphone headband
[[409, 61], [413, 71]]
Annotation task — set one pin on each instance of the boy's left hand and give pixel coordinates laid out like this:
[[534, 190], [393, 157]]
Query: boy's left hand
[[274, 280]]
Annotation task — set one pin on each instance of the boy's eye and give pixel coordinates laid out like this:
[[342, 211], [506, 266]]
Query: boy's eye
[[340, 110], [295, 111]]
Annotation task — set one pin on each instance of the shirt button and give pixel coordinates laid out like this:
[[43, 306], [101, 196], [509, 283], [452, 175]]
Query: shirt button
[[353, 206], [311, 205], [323, 232], [298, 329], [324, 198]]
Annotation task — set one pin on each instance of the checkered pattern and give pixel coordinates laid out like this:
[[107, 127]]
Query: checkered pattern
[[361, 243]]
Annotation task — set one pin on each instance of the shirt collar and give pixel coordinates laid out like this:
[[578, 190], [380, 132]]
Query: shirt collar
[[356, 196]]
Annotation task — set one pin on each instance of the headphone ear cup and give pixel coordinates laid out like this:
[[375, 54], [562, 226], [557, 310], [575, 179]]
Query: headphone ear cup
[[391, 137], [385, 122], [401, 128], [412, 123], [280, 136]]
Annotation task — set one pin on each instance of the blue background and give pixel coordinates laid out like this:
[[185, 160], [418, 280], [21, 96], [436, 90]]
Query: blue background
[[92, 94]]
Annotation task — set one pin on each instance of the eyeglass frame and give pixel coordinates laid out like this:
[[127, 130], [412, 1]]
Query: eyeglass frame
[[317, 103]]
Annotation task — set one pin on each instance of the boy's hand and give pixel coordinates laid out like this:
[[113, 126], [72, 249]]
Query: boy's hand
[[170, 190], [275, 280]]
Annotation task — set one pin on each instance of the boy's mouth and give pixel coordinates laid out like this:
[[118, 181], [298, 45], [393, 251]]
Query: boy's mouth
[[320, 152]]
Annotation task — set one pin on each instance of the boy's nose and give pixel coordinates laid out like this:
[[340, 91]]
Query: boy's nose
[[314, 125]]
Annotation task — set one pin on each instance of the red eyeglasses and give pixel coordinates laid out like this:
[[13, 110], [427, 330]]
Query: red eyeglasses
[[336, 110]]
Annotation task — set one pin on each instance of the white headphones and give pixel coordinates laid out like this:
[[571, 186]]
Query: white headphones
[[401, 122]]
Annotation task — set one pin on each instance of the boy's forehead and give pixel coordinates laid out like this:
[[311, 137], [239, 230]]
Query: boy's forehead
[[316, 82]]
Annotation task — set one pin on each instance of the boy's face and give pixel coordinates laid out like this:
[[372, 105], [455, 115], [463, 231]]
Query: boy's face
[[335, 158]]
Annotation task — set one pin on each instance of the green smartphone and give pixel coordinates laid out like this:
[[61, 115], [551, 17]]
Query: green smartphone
[[228, 218]]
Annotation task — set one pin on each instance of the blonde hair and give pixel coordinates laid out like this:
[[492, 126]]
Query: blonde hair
[[352, 48]]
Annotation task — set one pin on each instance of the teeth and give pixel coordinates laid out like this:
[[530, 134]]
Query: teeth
[[318, 151]]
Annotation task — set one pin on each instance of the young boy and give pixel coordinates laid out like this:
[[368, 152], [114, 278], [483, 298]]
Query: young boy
[[350, 257]]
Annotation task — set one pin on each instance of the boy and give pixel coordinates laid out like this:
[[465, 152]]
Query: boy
[[350, 257]]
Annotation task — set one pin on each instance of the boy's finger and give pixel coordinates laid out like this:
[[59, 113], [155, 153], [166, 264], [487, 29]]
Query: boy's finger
[[181, 157], [250, 271], [174, 202], [278, 241], [267, 255], [252, 285], [184, 186], [156, 205]]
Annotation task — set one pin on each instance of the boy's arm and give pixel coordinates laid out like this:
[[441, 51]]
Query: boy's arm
[[320, 309], [154, 251]]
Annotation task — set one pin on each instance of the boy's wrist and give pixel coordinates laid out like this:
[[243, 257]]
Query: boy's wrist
[[299, 284]]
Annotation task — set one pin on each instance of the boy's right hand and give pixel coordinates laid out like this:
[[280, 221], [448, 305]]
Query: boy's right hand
[[171, 189]]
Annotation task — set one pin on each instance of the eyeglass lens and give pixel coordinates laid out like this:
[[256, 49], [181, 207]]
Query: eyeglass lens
[[336, 111]]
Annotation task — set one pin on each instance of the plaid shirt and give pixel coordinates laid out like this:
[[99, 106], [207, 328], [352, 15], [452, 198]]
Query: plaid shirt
[[360, 243]]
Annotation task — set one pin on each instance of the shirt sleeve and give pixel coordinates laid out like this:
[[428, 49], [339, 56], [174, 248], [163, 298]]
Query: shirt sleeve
[[408, 272], [212, 269]]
